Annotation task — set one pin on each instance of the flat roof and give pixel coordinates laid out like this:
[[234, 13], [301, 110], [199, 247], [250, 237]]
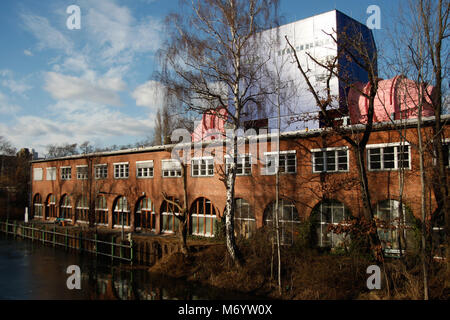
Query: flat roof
[[377, 126]]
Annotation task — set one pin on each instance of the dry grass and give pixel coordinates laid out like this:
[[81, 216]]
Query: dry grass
[[306, 274]]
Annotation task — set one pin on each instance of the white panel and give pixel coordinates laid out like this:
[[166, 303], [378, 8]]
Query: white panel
[[171, 165], [144, 164], [37, 174]]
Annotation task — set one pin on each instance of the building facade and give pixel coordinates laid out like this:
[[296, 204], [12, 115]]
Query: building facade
[[318, 183]]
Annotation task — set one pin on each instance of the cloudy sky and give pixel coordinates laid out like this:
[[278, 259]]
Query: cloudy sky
[[59, 85]]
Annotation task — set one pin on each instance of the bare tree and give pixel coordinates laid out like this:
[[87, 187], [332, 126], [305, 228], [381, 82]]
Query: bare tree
[[421, 53], [215, 61], [351, 47], [6, 148]]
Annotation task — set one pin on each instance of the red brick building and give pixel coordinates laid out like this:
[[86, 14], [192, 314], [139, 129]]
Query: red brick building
[[318, 181]]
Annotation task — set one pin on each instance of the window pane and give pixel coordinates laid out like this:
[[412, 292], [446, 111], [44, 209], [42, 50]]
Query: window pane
[[331, 160], [388, 157]]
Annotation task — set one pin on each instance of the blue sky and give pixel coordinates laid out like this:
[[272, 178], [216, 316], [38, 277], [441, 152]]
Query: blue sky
[[59, 85]]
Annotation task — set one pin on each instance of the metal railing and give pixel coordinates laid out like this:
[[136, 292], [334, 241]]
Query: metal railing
[[70, 241]]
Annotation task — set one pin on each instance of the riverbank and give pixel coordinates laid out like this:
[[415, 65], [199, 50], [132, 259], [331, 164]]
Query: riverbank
[[306, 274]]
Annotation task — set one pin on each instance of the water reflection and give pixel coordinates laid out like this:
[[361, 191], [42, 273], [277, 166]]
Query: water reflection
[[31, 271]]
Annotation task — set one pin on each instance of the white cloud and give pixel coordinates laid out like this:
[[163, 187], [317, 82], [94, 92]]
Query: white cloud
[[149, 94], [118, 34], [27, 53], [15, 86], [74, 122], [48, 37], [6, 107], [67, 87]]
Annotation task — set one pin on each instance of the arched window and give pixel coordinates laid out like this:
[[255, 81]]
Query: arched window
[[50, 206], [145, 215], [101, 210], [65, 209], [325, 213], [38, 206], [121, 214], [169, 222], [82, 209], [244, 219], [288, 219], [393, 230], [203, 218]]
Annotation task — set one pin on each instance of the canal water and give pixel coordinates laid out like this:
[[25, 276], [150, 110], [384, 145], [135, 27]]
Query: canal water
[[32, 271]]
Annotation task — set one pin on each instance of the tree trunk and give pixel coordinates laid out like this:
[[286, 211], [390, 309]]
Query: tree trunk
[[373, 238], [229, 212]]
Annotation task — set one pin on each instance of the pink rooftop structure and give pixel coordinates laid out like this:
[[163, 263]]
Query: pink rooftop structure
[[396, 99], [211, 127]]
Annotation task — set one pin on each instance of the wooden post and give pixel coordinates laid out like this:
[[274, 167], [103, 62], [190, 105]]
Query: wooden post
[[131, 251], [96, 244], [112, 248], [32, 232]]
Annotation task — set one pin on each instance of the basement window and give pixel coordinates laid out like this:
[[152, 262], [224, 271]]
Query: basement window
[[171, 168], [144, 169], [244, 165], [121, 170], [203, 167], [101, 171], [390, 156], [82, 172], [330, 160], [66, 173], [287, 162]]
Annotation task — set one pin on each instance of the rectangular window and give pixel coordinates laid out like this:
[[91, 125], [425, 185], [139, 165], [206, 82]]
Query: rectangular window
[[51, 174], [244, 165], [144, 169], [66, 173], [37, 174], [389, 156], [121, 170], [330, 160], [287, 162], [203, 167], [101, 171], [171, 168], [82, 172]]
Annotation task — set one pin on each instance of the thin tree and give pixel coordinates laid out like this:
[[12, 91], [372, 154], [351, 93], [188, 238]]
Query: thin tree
[[215, 61], [351, 47]]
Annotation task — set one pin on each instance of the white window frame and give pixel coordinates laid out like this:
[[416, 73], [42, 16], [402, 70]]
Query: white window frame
[[99, 171], [126, 170], [38, 174], [277, 161], [174, 173], [149, 173], [240, 160], [336, 159], [381, 146], [208, 162], [50, 173], [82, 176], [66, 176]]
